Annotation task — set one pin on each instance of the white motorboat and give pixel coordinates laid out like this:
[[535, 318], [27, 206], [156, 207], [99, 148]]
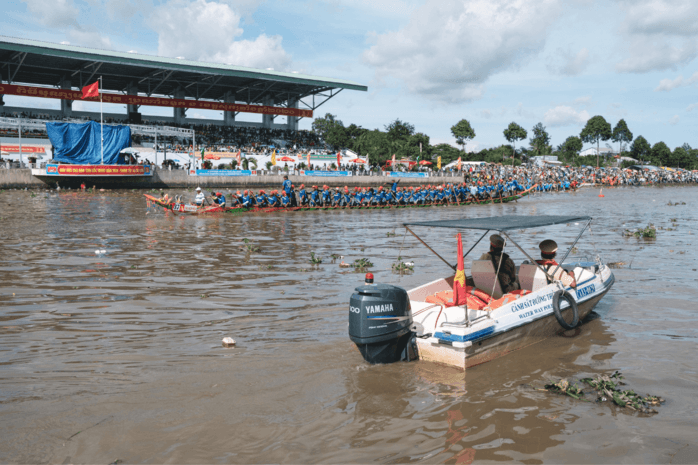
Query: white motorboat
[[388, 323]]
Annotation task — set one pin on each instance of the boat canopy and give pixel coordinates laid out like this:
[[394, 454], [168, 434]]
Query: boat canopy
[[501, 223]]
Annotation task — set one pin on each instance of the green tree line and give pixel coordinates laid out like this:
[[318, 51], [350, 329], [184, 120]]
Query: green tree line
[[400, 138]]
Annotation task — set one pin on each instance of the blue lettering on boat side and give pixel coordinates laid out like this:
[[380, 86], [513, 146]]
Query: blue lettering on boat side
[[585, 291], [531, 303]]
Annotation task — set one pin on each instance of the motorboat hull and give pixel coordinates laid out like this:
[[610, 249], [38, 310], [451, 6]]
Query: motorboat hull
[[505, 338]]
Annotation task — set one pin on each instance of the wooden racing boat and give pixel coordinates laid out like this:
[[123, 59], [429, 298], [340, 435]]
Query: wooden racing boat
[[186, 209]]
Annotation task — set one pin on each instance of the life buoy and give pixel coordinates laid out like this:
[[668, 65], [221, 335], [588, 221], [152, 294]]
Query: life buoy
[[573, 305]]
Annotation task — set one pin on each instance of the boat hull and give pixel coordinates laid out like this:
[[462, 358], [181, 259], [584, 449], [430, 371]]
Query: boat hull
[[503, 343]]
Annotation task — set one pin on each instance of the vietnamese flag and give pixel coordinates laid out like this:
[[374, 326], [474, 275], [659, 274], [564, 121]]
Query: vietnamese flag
[[91, 91], [459, 292]]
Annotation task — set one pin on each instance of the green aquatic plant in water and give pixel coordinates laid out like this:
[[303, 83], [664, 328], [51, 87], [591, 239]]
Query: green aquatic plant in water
[[315, 260], [608, 388], [650, 232], [362, 263]]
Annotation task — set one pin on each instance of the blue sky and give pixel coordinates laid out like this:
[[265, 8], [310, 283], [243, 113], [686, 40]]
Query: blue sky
[[429, 63]]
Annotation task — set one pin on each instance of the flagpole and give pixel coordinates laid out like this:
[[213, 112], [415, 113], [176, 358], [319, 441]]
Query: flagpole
[[101, 119]]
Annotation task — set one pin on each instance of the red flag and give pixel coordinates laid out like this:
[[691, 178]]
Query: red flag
[[459, 292], [239, 157], [91, 91], [339, 159]]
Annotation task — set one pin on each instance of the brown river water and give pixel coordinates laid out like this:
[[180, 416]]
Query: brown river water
[[118, 356]]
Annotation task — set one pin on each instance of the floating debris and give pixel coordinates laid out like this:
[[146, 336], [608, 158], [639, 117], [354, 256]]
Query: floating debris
[[345, 265], [228, 342], [250, 247], [403, 266], [362, 263], [674, 204], [650, 232], [390, 234], [608, 388], [616, 264], [315, 260]]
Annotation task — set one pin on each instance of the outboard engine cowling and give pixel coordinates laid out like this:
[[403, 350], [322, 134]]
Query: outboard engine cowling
[[379, 323]]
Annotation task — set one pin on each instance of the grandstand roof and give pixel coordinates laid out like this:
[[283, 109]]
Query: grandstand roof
[[47, 64]]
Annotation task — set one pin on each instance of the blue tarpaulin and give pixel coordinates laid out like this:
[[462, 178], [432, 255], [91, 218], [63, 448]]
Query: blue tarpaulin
[[79, 143]]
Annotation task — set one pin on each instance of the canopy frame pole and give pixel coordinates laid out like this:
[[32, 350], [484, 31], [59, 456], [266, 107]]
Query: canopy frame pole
[[427, 246], [476, 243], [570, 249], [533, 262]]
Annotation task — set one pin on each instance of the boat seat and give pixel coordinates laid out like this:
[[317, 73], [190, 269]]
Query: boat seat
[[485, 278], [531, 278]]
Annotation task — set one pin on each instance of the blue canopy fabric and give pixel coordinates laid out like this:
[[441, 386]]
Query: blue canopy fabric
[[79, 143], [501, 223]]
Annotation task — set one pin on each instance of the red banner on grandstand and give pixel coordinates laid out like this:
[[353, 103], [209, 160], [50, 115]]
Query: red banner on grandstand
[[25, 148], [98, 170], [65, 94]]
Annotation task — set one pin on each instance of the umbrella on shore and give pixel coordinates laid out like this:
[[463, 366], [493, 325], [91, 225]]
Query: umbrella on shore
[[357, 160], [286, 159], [424, 162]]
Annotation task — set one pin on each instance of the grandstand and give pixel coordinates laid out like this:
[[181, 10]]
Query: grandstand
[[45, 70]]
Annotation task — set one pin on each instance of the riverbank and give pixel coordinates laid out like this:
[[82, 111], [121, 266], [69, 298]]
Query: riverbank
[[163, 179]]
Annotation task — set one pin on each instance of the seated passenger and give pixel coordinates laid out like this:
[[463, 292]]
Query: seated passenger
[[200, 197], [502, 262], [548, 250]]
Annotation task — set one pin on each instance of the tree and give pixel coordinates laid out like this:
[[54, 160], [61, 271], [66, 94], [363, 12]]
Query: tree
[[513, 133], [399, 130], [640, 148], [596, 130], [321, 126], [678, 158], [660, 154], [463, 132], [337, 137], [413, 143], [621, 134], [540, 140], [447, 152], [375, 144], [571, 148]]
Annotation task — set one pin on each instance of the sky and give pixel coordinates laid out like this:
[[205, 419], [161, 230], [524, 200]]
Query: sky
[[430, 63]]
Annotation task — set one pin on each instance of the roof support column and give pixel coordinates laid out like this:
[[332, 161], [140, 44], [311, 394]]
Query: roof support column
[[66, 105], [292, 121], [134, 117], [267, 120], [179, 113], [229, 116]]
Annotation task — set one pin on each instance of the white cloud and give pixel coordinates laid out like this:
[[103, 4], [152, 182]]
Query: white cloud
[[659, 34], [571, 64], [675, 17], [692, 107], [486, 114], [449, 48], [563, 115], [583, 101], [89, 38], [674, 120], [53, 13], [198, 39], [671, 84]]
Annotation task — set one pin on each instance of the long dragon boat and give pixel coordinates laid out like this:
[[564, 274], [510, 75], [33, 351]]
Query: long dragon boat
[[187, 209]]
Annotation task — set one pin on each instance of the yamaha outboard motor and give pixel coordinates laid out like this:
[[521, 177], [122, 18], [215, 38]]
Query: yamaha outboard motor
[[380, 321]]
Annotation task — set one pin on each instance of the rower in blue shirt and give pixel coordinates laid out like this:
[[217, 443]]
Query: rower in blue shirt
[[273, 199], [336, 198], [315, 199], [261, 198], [326, 196], [245, 200], [303, 195], [286, 186], [285, 200]]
